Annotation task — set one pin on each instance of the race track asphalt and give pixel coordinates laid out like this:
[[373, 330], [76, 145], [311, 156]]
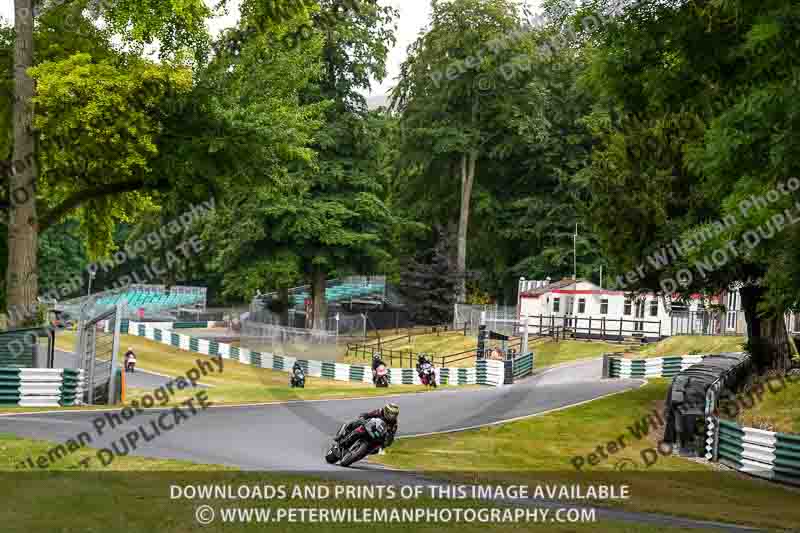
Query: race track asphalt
[[140, 379], [292, 437]]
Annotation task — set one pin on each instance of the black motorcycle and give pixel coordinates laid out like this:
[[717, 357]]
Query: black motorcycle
[[364, 440], [298, 378]]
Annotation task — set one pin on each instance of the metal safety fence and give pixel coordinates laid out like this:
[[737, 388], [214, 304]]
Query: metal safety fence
[[97, 350]]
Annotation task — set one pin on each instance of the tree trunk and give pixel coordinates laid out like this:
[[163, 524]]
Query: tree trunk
[[767, 338], [467, 179], [283, 296], [319, 307], [23, 233]]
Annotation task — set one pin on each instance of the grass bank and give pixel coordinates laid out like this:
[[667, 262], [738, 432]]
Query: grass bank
[[135, 494], [238, 382], [777, 408], [688, 345], [624, 428]]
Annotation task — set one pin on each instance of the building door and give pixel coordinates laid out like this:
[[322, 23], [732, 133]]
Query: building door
[[732, 310], [639, 315]]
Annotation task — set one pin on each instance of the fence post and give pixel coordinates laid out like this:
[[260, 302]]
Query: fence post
[[620, 329], [524, 347], [481, 354], [606, 366], [112, 385], [590, 328]]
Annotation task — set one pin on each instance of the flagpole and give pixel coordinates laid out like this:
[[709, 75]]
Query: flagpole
[[575, 253]]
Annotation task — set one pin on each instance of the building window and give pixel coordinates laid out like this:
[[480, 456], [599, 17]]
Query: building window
[[581, 305], [556, 302], [604, 306], [654, 307], [627, 310]]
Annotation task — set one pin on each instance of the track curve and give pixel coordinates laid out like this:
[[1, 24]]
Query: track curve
[[293, 436]]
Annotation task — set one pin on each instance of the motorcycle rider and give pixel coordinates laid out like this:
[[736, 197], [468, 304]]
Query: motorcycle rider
[[388, 413], [297, 367], [130, 357], [376, 362], [421, 360]]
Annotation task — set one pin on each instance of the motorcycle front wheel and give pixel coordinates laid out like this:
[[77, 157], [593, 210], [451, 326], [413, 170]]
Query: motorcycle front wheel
[[355, 453], [331, 457]]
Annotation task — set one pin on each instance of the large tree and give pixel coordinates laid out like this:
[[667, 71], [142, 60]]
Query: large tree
[[700, 111], [177, 26], [335, 220], [451, 97]]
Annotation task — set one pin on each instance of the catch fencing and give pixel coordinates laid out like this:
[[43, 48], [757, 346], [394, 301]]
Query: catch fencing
[[299, 342], [501, 319], [707, 322], [314, 368], [97, 348]]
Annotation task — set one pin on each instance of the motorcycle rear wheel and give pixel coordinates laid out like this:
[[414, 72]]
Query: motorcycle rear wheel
[[355, 454]]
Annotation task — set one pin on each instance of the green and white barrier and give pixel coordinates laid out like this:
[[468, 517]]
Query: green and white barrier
[[523, 366], [765, 454], [126, 327], [41, 387], [656, 367], [488, 375], [490, 372]]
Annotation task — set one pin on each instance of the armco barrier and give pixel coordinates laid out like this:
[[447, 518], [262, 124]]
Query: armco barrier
[[769, 455], [41, 387], [656, 367], [486, 375]]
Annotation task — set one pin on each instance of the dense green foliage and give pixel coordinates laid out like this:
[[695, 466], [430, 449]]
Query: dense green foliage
[[642, 124]]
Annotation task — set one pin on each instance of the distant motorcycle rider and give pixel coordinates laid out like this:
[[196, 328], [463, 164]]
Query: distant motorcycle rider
[[377, 361], [388, 413], [130, 359], [421, 360]]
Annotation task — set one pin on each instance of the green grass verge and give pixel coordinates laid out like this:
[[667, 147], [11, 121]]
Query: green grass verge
[[778, 408], [133, 494], [544, 447], [688, 345], [238, 382], [549, 353]]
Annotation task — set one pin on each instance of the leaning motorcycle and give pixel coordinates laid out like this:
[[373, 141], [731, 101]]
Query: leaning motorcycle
[[380, 376], [427, 375], [366, 439], [298, 378]]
